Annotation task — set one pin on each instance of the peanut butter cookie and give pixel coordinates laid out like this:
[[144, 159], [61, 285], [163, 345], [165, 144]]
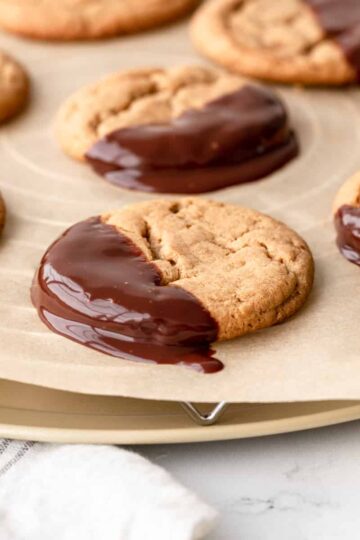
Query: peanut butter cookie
[[14, 87], [248, 270], [182, 130], [159, 281], [87, 19], [136, 97], [290, 41], [348, 194]]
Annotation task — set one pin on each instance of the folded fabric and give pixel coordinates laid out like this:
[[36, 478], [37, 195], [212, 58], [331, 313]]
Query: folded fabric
[[80, 492]]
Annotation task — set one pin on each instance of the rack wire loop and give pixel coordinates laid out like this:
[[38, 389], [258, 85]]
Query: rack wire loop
[[208, 419]]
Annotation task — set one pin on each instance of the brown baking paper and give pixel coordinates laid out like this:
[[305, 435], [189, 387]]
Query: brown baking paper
[[313, 356]]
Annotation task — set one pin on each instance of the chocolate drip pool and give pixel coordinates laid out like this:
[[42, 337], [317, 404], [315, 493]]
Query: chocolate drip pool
[[340, 20], [240, 137], [95, 287], [347, 224]]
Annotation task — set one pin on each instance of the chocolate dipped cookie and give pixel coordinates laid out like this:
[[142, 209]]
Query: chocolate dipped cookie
[[181, 130], [315, 42], [160, 281]]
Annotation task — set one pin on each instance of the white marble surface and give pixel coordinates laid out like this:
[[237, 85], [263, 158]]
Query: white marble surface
[[300, 486]]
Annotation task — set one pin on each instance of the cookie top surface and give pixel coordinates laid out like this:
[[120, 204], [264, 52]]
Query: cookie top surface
[[137, 97], [282, 41], [195, 243], [86, 19], [348, 194], [14, 87]]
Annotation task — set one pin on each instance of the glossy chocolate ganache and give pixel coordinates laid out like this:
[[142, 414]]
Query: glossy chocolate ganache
[[340, 20], [239, 137], [347, 224], [96, 287]]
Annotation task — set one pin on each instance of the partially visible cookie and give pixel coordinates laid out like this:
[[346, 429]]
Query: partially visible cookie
[[348, 194], [2, 213], [291, 41], [136, 97], [247, 269], [87, 19], [14, 87], [346, 211]]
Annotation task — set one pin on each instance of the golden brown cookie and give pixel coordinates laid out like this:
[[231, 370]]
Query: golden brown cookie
[[248, 270], [348, 194], [14, 87], [282, 40], [2, 213], [136, 97], [87, 19]]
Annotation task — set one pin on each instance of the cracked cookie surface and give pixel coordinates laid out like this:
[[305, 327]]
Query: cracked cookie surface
[[87, 19], [136, 97], [248, 270], [14, 87], [278, 40]]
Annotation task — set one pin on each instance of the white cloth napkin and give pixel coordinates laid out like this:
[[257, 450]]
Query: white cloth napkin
[[65, 492]]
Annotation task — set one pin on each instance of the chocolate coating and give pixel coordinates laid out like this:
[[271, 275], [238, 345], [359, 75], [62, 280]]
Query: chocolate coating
[[96, 287], [347, 224], [239, 137], [340, 19]]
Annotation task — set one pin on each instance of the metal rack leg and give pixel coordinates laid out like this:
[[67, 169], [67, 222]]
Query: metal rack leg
[[204, 419]]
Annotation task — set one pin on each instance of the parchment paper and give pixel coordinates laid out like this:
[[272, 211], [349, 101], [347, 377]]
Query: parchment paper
[[313, 356]]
